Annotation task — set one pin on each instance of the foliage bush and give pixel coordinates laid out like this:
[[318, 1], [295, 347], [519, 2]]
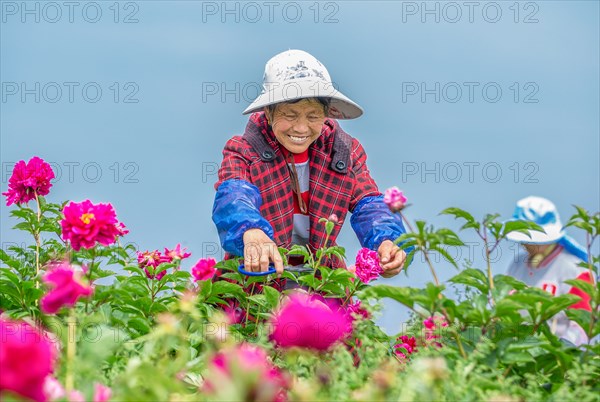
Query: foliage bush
[[149, 336]]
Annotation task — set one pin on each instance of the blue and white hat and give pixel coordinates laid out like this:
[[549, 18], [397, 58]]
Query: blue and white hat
[[295, 74], [543, 212]]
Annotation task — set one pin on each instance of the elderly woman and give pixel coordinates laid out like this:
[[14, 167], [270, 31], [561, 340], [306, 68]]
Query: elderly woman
[[294, 165]]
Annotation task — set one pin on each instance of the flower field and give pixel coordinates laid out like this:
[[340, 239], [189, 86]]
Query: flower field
[[84, 318]]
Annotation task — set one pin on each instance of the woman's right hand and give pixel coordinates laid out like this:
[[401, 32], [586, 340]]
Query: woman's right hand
[[260, 251]]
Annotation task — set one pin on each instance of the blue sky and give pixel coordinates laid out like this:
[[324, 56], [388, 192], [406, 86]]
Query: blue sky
[[482, 107]]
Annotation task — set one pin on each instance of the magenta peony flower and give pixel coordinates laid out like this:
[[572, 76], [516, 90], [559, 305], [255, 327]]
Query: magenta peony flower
[[394, 199], [367, 265], [102, 393], [122, 229], [248, 365], [431, 325], [86, 224], [26, 358], [204, 269], [356, 310], [67, 288], [406, 343], [28, 179], [306, 322], [152, 259], [176, 253], [234, 312]]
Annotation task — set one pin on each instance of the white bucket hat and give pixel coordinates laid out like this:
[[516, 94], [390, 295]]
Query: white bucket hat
[[544, 213], [295, 74]]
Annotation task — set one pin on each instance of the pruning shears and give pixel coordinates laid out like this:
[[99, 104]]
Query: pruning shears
[[299, 269]]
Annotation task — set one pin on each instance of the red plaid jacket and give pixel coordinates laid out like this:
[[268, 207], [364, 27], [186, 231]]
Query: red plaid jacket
[[339, 178]]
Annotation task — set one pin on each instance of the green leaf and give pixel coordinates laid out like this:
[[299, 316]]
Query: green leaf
[[8, 260], [585, 286], [23, 226], [449, 238], [445, 254], [581, 317], [310, 280], [516, 357], [224, 287], [458, 213], [509, 281], [558, 304], [520, 226], [135, 269], [472, 277], [271, 295], [261, 300], [401, 295], [24, 213], [139, 324], [508, 307]]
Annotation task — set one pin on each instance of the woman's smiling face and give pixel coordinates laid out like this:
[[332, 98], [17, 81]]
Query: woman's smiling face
[[297, 125]]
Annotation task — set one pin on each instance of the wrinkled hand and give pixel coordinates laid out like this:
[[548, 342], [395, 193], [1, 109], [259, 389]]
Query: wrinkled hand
[[259, 251], [391, 258]]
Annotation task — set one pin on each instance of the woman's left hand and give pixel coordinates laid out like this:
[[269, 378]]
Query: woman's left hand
[[391, 257]]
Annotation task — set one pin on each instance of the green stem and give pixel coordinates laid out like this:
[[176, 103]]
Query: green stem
[[510, 366], [36, 235], [435, 278], [593, 311], [350, 295], [152, 291], [487, 259], [455, 333], [407, 222], [89, 277], [321, 256], [71, 350], [459, 344]]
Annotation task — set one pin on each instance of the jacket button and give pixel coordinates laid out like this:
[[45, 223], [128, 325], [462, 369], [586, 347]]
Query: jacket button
[[267, 154], [341, 165]]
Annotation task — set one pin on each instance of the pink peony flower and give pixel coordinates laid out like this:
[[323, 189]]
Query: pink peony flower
[[67, 288], [102, 393], [86, 224], [26, 358], [28, 179], [152, 259], [406, 343], [204, 269], [75, 396], [53, 389], [367, 265], [333, 218], [248, 365], [394, 199], [306, 322], [176, 253]]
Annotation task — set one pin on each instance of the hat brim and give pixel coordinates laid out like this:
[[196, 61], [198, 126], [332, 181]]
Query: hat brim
[[553, 233], [340, 106]]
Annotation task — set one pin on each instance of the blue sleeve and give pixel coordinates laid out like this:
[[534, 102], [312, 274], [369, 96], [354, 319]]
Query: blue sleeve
[[237, 209], [373, 222]]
